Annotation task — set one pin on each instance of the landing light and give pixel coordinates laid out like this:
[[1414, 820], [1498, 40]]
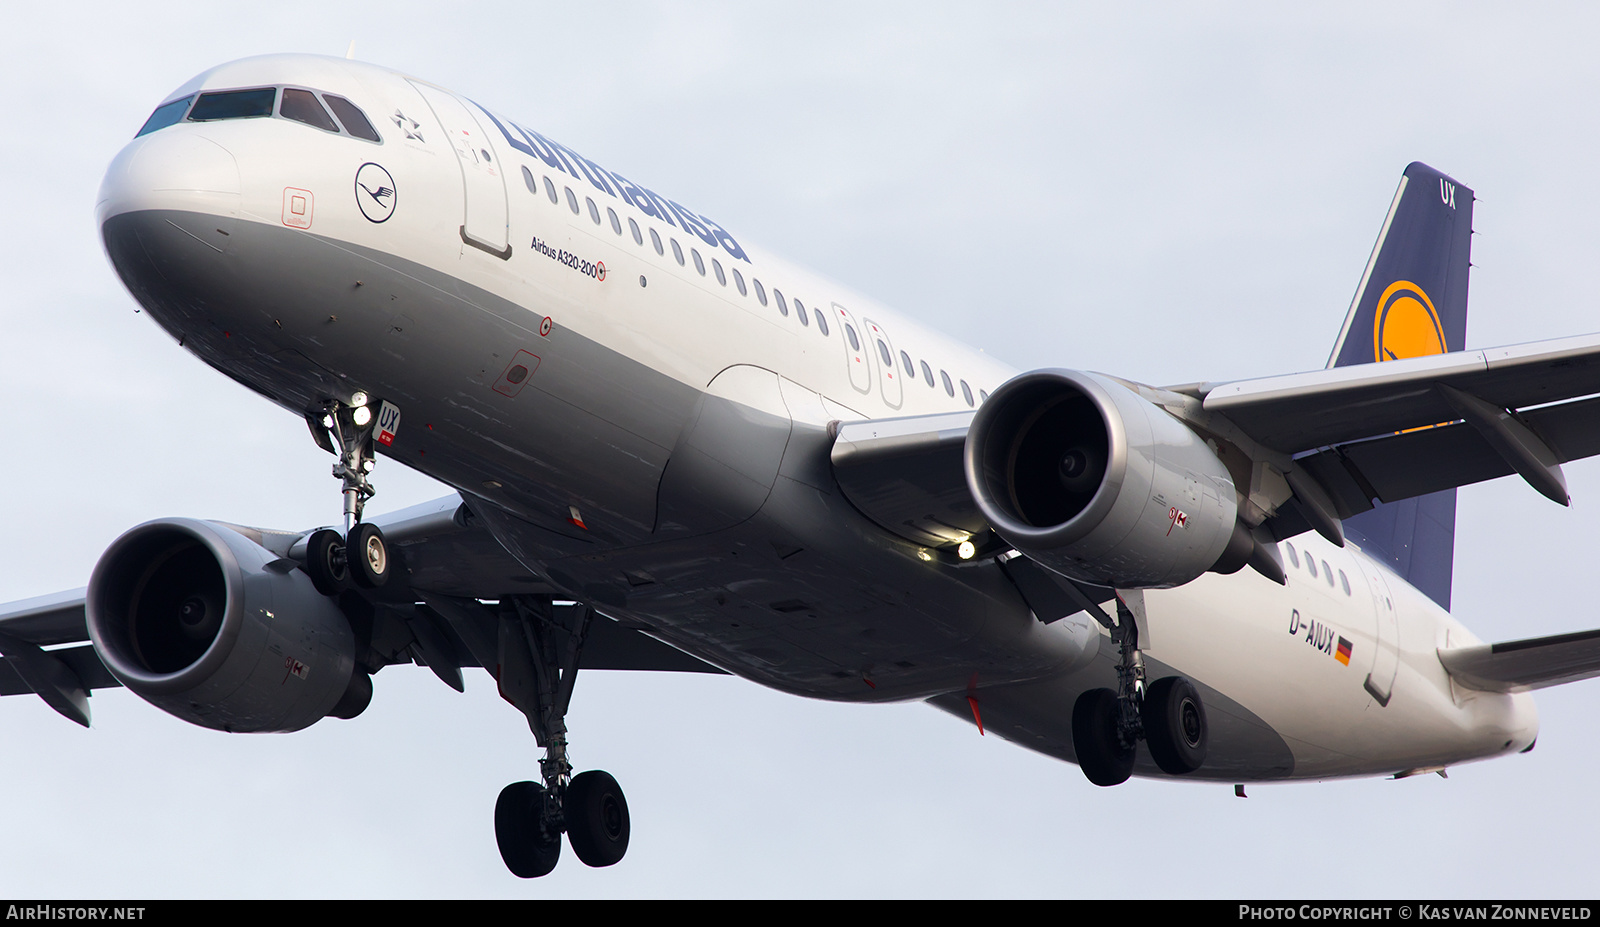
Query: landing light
[[362, 414], [924, 556], [966, 550], [358, 398]]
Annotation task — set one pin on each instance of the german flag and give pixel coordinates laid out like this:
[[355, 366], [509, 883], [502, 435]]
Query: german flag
[[1343, 653]]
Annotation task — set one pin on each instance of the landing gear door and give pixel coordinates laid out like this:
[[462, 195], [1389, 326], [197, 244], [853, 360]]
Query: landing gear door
[[1386, 661], [889, 378], [484, 223], [855, 349]]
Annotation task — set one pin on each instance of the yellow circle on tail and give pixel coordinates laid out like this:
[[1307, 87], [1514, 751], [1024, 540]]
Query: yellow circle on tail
[[1406, 324]]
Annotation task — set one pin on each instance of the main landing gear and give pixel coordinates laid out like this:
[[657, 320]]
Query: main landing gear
[[1167, 715], [360, 555], [539, 647]]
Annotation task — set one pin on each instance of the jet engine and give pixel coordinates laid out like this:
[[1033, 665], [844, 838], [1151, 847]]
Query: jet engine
[[1081, 474], [209, 626]]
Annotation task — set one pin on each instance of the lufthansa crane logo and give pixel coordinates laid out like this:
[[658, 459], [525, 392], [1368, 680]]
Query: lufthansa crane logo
[[1406, 324], [375, 192]]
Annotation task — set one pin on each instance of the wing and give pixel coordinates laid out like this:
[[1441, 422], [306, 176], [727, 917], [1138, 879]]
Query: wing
[[1404, 428], [436, 617], [1517, 666]]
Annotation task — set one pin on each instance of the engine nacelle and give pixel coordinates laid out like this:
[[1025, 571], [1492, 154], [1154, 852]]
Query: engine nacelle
[[1079, 473], [209, 626]]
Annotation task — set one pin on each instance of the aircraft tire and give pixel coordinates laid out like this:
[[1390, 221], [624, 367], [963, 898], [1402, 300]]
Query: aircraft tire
[[1101, 756], [523, 845], [325, 562], [368, 556], [1175, 727], [597, 818]]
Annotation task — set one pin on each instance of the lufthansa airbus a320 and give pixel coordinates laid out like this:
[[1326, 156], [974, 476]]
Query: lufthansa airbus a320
[[674, 451]]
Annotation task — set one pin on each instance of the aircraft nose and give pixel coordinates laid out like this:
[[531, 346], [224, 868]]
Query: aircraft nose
[[171, 169]]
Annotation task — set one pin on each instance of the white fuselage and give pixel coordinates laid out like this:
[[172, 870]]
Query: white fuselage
[[614, 364]]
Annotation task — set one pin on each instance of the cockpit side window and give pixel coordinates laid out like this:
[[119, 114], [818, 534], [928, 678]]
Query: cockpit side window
[[166, 114], [355, 121], [302, 106], [234, 104]]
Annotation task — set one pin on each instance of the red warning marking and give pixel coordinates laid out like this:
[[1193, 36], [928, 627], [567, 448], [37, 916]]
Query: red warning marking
[[975, 716], [546, 325], [575, 518], [600, 271]]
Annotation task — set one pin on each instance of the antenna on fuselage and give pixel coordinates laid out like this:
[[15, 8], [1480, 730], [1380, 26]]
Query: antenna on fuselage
[[350, 52]]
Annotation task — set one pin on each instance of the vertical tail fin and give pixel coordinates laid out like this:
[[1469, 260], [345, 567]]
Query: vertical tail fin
[[1412, 301]]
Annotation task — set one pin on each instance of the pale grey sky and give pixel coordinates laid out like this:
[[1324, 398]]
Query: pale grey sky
[[1179, 193]]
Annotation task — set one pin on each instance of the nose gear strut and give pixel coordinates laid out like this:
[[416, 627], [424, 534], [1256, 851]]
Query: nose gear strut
[[347, 431]]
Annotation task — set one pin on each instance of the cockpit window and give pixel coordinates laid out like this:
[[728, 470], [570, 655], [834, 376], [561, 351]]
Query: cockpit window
[[165, 115], [234, 104], [355, 121], [302, 106]]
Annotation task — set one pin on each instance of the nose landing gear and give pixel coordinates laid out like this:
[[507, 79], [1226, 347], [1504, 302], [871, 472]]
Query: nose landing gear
[[360, 555], [1167, 715]]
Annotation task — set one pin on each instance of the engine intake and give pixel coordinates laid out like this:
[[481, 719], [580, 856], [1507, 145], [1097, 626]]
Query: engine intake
[[1081, 474], [209, 626]]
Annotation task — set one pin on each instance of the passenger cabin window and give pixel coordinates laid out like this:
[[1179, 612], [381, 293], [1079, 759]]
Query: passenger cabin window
[[166, 114], [738, 281], [594, 211], [949, 387], [1294, 557], [355, 121], [783, 305], [1311, 565], [633, 227], [302, 106], [905, 361], [983, 395], [550, 191], [572, 200], [1345, 582], [656, 240], [850, 333], [761, 293], [722, 278], [1327, 573], [885, 356], [677, 251], [527, 178], [927, 373], [822, 323], [966, 393], [234, 104], [699, 265], [616, 224]]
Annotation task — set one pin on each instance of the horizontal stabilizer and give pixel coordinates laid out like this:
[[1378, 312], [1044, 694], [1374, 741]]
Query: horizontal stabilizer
[[1517, 666]]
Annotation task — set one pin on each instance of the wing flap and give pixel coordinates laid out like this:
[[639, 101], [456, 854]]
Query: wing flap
[[1518, 666], [1303, 411], [1415, 463]]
